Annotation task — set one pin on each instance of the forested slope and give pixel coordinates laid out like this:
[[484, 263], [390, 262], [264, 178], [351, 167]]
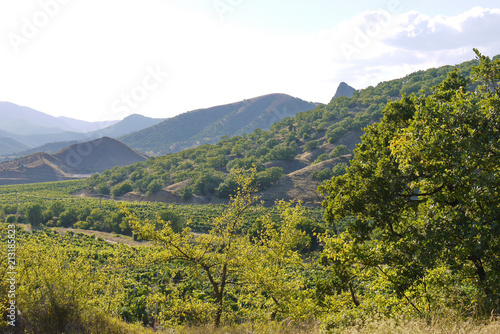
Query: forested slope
[[312, 141]]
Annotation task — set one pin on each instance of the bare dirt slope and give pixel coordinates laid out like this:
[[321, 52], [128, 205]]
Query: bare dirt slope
[[75, 161]]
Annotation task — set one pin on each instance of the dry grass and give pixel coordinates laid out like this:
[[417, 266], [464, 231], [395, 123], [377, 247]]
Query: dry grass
[[388, 326], [442, 326]]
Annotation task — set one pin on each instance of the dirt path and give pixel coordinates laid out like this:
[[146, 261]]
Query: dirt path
[[112, 238]]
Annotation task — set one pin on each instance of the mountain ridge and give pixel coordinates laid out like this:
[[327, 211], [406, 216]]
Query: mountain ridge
[[208, 125]]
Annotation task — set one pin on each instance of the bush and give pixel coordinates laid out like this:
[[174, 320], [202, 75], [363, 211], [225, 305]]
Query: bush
[[186, 193], [339, 151], [11, 219], [282, 153], [265, 178], [227, 188], [34, 213], [334, 133], [311, 146], [321, 158], [177, 222], [82, 225], [103, 189], [321, 175], [206, 182], [68, 218], [121, 189], [154, 187]]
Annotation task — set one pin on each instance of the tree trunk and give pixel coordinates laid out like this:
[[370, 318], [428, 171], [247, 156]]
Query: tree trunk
[[353, 294], [481, 274], [218, 312]]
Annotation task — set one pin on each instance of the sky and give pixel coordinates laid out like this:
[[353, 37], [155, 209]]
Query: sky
[[104, 60]]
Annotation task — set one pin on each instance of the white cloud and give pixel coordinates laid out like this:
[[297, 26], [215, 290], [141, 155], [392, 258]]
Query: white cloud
[[408, 42], [477, 27]]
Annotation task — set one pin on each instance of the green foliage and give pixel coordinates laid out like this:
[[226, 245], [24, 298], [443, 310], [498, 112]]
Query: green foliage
[[282, 153], [422, 192], [338, 151], [103, 189], [334, 133], [154, 186], [322, 174], [176, 222], [340, 169], [34, 215], [121, 189], [311, 146]]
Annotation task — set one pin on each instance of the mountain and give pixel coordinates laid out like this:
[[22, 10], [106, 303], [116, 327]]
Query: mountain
[[27, 121], [9, 145], [208, 125], [344, 90], [69, 163], [292, 157], [98, 155], [126, 126]]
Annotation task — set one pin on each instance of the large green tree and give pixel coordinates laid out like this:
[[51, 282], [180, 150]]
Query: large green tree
[[423, 191]]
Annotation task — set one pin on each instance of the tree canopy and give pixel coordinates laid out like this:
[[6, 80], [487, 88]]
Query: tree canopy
[[423, 191]]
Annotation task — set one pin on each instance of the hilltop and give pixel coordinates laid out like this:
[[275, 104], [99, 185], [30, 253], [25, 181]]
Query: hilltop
[[209, 125], [69, 163]]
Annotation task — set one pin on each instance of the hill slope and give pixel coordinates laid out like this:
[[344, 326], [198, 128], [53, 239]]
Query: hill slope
[[9, 145], [81, 158], [203, 126], [97, 155], [293, 157]]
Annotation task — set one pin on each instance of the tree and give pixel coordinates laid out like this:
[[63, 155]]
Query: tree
[[121, 189], [218, 253], [274, 269], [34, 213], [423, 192]]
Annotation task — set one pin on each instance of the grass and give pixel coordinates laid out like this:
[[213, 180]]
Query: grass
[[385, 326], [439, 326]]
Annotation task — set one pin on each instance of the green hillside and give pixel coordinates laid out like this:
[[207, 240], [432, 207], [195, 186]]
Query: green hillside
[[204, 126], [294, 155]]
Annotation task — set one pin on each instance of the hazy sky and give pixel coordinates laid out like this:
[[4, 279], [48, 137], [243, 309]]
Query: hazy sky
[[103, 60]]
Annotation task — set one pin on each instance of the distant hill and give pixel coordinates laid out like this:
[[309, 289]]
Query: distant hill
[[9, 145], [46, 148], [82, 158], [126, 126], [208, 125], [98, 155], [27, 121], [27, 131]]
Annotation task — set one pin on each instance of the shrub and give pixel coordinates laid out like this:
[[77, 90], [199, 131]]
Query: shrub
[[311, 146], [282, 153], [321, 175], [338, 151], [121, 189]]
